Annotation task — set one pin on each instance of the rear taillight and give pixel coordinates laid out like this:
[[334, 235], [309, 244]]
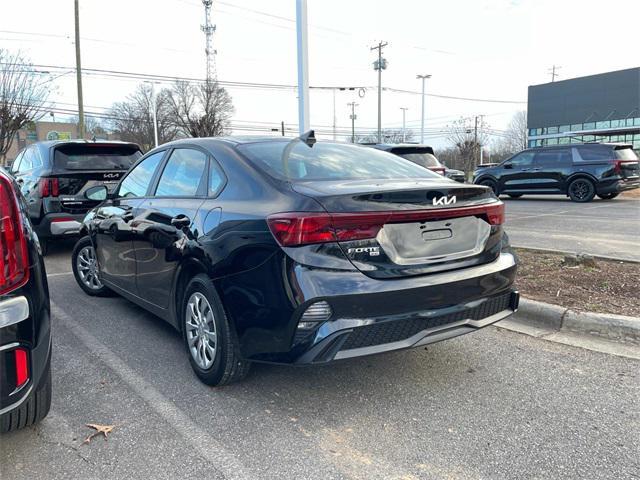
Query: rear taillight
[[14, 265], [618, 164], [49, 187], [304, 228]]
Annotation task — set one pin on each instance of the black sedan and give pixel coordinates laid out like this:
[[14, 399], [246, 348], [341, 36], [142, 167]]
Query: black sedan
[[25, 332], [263, 249]]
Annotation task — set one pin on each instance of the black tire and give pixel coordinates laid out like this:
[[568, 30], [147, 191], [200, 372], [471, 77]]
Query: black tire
[[515, 195], [609, 196], [581, 190], [227, 366], [93, 287], [34, 409], [492, 185]]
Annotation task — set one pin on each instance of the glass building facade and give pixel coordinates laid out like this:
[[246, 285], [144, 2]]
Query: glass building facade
[[625, 130]]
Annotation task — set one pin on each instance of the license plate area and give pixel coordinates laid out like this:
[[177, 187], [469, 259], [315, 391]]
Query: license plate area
[[434, 241]]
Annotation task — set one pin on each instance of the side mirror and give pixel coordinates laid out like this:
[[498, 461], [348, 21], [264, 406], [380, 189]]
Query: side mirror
[[508, 165], [99, 193]]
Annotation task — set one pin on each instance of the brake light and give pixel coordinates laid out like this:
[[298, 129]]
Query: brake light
[[22, 367], [304, 228], [617, 165], [14, 269], [49, 187]]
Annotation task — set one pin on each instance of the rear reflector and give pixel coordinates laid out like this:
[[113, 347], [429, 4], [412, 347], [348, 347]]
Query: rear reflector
[[304, 228], [22, 368], [14, 268]]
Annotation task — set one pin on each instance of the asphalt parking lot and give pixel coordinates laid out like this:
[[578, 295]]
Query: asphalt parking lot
[[493, 404], [602, 227]]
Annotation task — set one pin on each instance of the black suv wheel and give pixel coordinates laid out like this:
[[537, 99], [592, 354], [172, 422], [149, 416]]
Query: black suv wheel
[[208, 337], [581, 190], [492, 185]]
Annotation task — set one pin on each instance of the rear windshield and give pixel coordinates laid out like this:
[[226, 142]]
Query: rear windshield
[[626, 153], [330, 161], [95, 157], [423, 159]]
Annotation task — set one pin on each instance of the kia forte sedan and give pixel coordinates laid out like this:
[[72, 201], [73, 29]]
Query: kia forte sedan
[[265, 249]]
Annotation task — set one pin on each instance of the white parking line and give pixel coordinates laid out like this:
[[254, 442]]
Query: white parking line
[[208, 448], [58, 274]]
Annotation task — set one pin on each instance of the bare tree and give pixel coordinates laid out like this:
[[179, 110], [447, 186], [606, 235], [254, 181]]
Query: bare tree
[[514, 139], [132, 119], [92, 125], [468, 141], [23, 94], [389, 135], [200, 110]]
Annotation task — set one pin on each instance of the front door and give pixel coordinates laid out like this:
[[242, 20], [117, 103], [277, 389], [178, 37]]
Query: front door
[[112, 230], [516, 173]]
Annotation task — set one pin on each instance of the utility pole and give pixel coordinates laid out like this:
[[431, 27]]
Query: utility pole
[[208, 30], [282, 127], [553, 73], [379, 65], [334, 114], [303, 65], [154, 113], [404, 123], [353, 117], [424, 78], [79, 71], [475, 136]]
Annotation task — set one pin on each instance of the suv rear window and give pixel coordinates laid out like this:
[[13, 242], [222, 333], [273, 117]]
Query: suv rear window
[[424, 159], [626, 153], [330, 161], [95, 157]]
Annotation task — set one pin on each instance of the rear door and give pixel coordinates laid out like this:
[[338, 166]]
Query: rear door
[[112, 225], [550, 168], [180, 191]]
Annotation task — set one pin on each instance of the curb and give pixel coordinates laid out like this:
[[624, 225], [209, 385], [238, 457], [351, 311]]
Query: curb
[[603, 325]]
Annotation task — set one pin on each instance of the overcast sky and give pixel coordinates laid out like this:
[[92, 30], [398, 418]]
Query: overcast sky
[[488, 49]]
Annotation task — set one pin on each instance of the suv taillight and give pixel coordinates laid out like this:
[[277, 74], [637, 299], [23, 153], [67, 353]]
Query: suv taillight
[[14, 263], [49, 187], [617, 165], [303, 228]]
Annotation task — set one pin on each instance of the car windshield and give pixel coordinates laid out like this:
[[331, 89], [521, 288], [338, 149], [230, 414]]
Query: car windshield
[[330, 161], [96, 157], [423, 159]]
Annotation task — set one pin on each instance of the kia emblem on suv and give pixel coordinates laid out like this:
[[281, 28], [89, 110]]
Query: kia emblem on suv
[[444, 201]]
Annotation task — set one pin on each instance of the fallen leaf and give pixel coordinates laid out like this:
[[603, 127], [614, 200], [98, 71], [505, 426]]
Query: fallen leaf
[[99, 429]]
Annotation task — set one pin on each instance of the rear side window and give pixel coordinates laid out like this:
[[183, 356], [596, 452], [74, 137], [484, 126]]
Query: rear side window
[[95, 157], [329, 161], [625, 153], [595, 152], [137, 182], [183, 173], [553, 158]]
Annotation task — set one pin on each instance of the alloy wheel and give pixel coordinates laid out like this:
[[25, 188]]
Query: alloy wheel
[[580, 189], [88, 268], [201, 330]]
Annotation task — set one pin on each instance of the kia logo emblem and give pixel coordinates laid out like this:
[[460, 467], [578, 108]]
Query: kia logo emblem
[[444, 201]]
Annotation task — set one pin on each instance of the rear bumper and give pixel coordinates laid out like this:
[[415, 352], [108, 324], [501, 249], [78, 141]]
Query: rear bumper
[[56, 225], [618, 186], [372, 316]]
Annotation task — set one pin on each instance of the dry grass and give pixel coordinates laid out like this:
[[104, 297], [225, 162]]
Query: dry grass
[[611, 287]]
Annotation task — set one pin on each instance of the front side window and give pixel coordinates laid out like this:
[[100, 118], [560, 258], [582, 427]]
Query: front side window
[[28, 161], [329, 161], [183, 174], [524, 159], [137, 182]]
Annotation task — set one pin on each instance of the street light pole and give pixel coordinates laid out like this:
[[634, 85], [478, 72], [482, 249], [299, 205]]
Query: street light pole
[[79, 70], [404, 124], [423, 77], [154, 107], [353, 106], [303, 66]]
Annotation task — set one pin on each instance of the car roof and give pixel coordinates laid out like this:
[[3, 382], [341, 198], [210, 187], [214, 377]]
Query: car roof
[[571, 145], [56, 143]]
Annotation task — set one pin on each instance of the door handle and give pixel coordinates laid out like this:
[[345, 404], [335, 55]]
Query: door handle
[[536, 169], [180, 221], [525, 169]]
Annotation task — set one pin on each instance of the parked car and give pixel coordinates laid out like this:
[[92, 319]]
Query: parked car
[[289, 251], [453, 174], [579, 171], [25, 327], [54, 175], [422, 155]]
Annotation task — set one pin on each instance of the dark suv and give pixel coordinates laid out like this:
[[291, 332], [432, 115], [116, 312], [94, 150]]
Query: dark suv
[[54, 175], [265, 249], [25, 326], [579, 171]]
